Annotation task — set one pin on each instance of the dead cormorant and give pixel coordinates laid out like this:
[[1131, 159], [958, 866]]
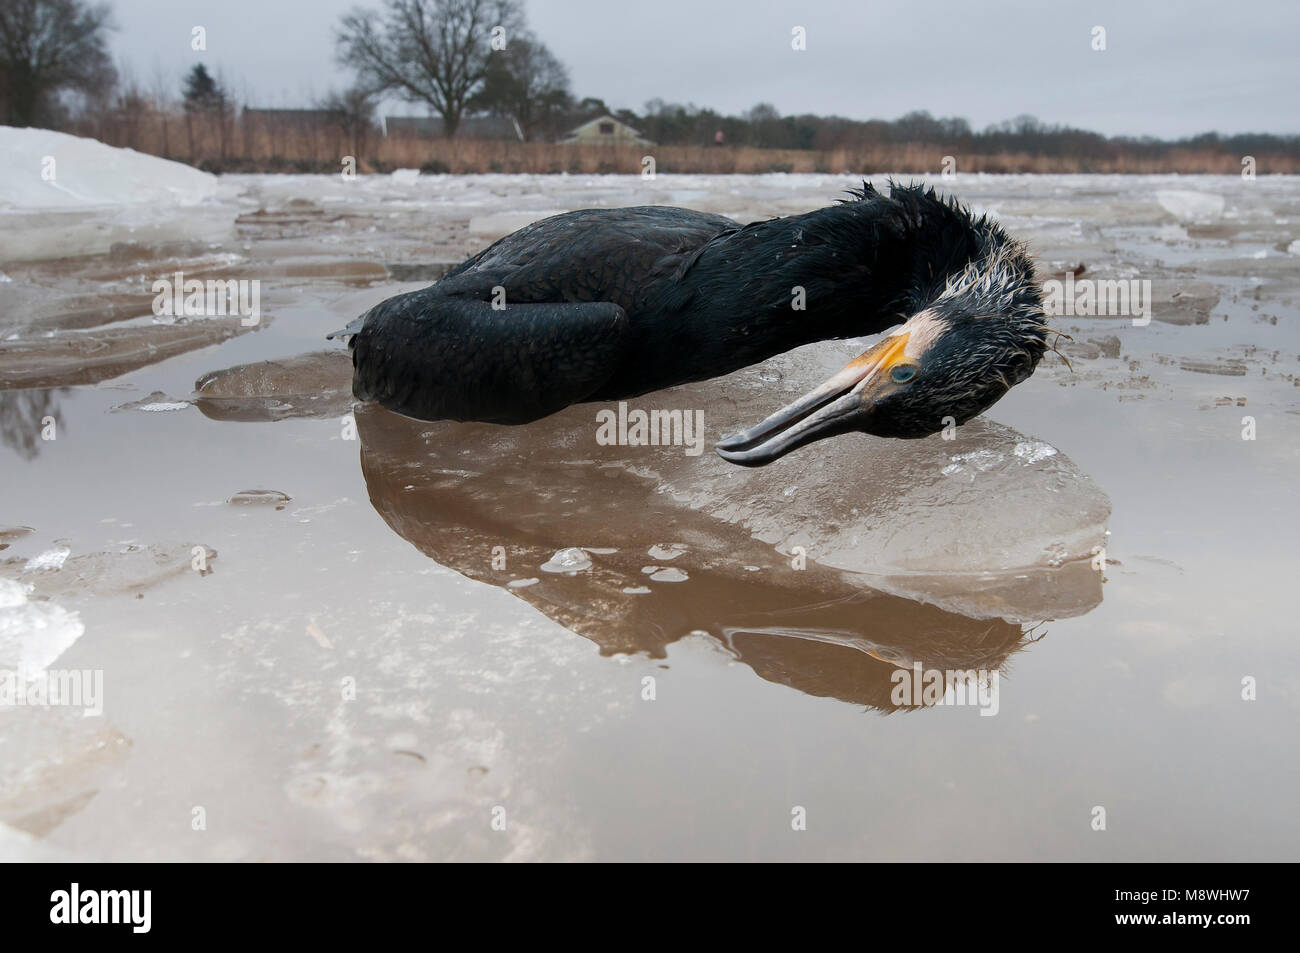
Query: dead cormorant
[[608, 304]]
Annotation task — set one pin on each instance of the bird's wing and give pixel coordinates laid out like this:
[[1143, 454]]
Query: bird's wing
[[535, 322], [429, 356], [623, 255]]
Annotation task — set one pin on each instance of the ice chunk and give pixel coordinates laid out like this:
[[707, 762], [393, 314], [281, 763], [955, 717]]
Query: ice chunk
[[154, 403], [130, 570], [1182, 301], [1188, 206], [318, 384], [1032, 451], [63, 195], [88, 357], [33, 634], [260, 498], [567, 560], [12, 534], [977, 461], [668, 575], [56, 762], [12, 594], [50, 559]]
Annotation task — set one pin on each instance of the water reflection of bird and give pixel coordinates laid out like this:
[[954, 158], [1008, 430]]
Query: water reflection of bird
[[818, 630], [607, 304]]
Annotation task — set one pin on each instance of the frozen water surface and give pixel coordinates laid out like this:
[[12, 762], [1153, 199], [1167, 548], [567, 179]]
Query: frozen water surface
[[369, 658]]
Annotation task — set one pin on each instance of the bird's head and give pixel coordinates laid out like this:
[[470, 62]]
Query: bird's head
[[971, 341]]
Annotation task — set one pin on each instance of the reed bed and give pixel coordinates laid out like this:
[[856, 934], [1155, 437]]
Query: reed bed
[[228, 144]]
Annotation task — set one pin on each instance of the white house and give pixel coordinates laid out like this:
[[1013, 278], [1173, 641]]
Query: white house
[[605, 130]]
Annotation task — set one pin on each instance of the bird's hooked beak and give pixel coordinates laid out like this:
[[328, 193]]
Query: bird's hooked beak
[[842, 404]]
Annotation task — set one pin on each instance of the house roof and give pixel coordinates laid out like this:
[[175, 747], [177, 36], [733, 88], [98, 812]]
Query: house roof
[[576, 131]]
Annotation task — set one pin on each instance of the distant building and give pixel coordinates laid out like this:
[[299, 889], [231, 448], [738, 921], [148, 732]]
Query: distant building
[[471, 127], [605, 130]]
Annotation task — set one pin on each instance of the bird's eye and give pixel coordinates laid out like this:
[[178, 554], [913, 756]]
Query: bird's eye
[[902, 373]]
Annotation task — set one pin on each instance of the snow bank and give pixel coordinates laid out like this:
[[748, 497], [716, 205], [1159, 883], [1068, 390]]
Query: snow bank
[[63, 195]]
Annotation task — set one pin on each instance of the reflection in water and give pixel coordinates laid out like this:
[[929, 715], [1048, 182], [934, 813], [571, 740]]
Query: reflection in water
[[23, 416], [498, 513]]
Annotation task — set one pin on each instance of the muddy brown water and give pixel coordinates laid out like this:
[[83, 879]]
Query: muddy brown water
[[364, 670]]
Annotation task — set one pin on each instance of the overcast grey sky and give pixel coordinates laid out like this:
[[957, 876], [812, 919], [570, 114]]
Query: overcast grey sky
[[1170, 68]]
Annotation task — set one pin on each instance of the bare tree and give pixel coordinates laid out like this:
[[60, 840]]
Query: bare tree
[[48, 47], [352, 112], [526, 83], [428, 51]]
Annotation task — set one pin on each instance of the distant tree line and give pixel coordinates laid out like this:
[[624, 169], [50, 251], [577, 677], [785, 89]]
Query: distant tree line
[[764, 127]]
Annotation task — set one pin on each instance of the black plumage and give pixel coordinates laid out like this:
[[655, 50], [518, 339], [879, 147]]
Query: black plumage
[[606, 304]]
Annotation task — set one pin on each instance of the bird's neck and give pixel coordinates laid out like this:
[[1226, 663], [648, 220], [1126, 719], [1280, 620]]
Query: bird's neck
[[843, 271]]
